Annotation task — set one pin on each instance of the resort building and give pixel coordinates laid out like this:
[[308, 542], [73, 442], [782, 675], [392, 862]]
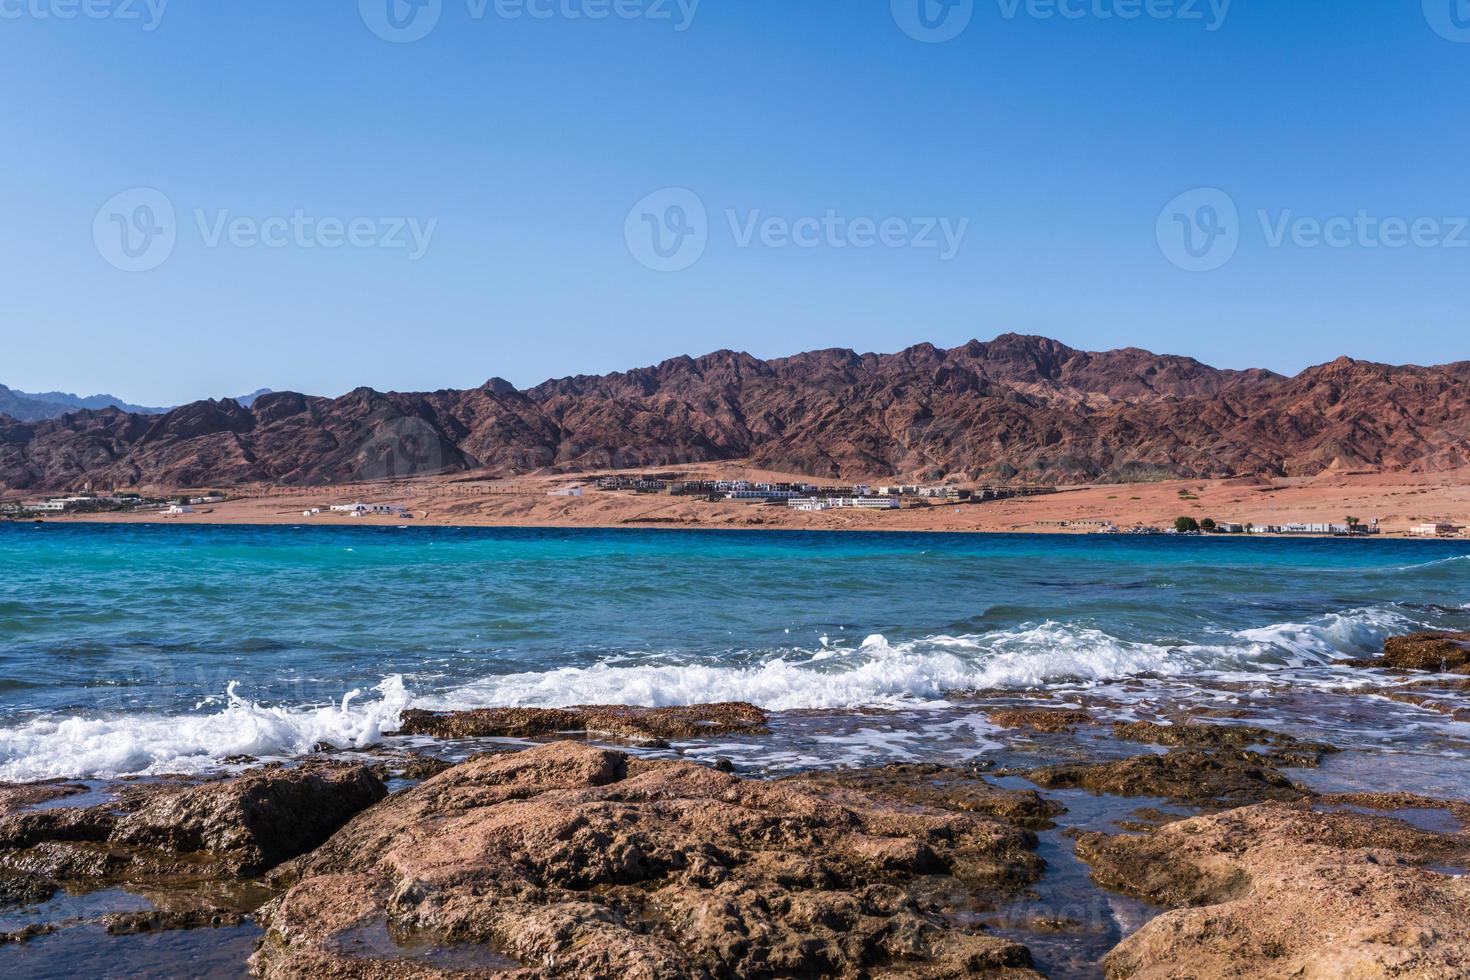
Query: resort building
[[837, 503], [1436, 530], [361, 510]]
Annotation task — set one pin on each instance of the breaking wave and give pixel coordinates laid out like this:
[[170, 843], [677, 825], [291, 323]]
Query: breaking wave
[[874, 673], [877, 673], [79, 747]]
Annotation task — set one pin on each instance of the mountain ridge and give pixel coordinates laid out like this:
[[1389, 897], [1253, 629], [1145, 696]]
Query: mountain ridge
[[1014, 408]]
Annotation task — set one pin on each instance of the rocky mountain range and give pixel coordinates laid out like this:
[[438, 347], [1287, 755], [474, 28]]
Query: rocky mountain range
[[28, 406], [33, 406], [1016, 408]]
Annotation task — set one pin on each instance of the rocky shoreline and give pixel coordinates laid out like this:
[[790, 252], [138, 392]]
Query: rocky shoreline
[[579, 858]]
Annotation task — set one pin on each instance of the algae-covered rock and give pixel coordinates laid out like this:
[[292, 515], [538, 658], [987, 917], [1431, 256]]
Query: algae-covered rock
[[567, 860]]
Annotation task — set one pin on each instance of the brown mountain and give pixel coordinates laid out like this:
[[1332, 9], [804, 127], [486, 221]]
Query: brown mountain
[[1015, 408]]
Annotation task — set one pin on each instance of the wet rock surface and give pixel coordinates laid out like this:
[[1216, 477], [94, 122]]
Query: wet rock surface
[[255, 821], [943, 787], [1441, 652], [571, 860], [1040, 719], [618, 721], [1276, 748], [1207, 779], [188, 847], [1291, 890]]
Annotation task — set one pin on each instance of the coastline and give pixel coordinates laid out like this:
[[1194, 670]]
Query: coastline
[[1397, 500]]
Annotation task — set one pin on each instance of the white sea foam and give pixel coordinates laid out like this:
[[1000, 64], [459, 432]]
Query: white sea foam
[[878, 673], [1430, 564], [875, 673], [153, 743]]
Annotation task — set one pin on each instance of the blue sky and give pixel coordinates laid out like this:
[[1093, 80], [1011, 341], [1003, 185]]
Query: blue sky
[[518, 147]]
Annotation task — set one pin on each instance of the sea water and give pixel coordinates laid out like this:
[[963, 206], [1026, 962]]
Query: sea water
[[141, 649]]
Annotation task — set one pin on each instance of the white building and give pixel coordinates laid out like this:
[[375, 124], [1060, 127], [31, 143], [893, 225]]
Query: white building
[[566, 492], [174, 509], [762, 495], [362, 510], [838, 503], [1436, 530]]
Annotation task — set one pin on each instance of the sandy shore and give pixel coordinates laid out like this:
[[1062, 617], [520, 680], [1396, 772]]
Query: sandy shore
[[1398, 501]]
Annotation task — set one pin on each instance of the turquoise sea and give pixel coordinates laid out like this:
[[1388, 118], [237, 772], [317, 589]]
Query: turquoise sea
[[148, 649]]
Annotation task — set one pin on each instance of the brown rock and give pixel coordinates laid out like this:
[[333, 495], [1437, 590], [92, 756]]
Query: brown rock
[[619, 721], [162, 920], [1043, 720], [574, 861], [1280, 890], [256, 820], [1284, 750], [941, 787], [185, 836], [1440, 652], [1206, 779]]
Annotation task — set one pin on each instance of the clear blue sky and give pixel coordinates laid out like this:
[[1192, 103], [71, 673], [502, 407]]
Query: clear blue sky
[[528, 140]]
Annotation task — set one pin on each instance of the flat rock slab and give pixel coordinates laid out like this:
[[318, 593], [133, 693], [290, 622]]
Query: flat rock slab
[[567, 860], [1303, 890], [1209, 779], [617, 721]]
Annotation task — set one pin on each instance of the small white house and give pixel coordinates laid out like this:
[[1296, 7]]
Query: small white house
[[175, 509], [566, 492]]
